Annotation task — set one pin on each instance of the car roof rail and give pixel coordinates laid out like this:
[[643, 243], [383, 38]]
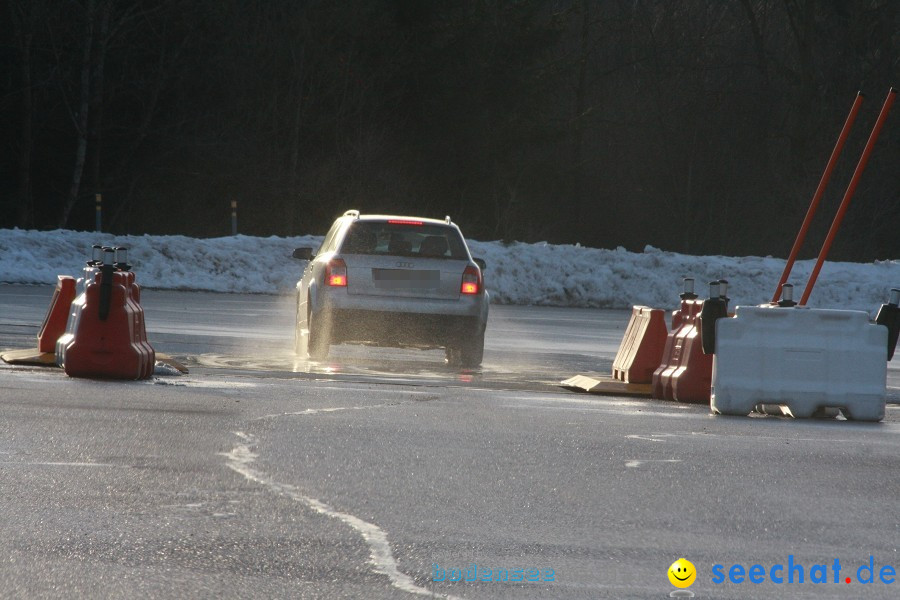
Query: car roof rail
[[352, 213], [447, 219]]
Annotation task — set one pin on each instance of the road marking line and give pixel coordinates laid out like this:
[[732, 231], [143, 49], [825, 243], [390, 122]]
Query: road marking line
[[315, 411], [312, 411], [633, 464], [645, 438], [58, 464], [241, 459]]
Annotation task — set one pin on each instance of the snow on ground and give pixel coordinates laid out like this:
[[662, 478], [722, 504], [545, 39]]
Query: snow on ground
[[541, 274]]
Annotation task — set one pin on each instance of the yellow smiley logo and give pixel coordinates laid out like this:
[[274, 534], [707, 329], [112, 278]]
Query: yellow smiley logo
[[682, 573]]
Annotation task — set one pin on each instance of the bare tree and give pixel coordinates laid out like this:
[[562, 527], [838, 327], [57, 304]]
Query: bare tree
[[81, 114], [25, 16]]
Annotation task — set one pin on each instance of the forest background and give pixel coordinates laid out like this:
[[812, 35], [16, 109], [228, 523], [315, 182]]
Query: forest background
[[697, 126]]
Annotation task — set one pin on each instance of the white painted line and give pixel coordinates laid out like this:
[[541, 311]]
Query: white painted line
[[316, 411], [220, 384], [613, 409], [241, 459], [633, 464], [311, 411], [741, 436], [59, 464]]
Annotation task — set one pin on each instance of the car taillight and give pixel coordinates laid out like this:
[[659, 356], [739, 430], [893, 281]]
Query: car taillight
[[404, 222], [336, 273], [471, 281]]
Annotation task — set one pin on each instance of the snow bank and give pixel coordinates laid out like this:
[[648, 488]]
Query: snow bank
[[517, 273]]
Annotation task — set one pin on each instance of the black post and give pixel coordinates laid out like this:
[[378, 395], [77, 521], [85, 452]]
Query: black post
[[106, 279]]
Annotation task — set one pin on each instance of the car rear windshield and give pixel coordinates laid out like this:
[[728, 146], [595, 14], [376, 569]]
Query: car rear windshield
[[404, 238]]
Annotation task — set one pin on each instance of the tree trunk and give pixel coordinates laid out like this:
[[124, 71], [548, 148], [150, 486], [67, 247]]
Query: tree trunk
[[24, 33], [125, 158], [759, 45], [801, 18], [81, 121], [582, 223], [98, 61]]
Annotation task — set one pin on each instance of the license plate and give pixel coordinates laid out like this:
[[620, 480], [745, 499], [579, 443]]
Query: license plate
[[403, 279]]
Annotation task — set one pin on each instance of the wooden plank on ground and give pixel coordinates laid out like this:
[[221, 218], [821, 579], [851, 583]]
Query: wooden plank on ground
[[606, 386], [29, 356], [36, 358]]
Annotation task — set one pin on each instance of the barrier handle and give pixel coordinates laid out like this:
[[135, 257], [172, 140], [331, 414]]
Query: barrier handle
[[889, 316], [848, 195], [106, 278], [713, 309], [820, 190]]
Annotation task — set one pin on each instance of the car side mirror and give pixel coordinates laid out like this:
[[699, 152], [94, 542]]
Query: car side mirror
[[481, 264], [302, 253]]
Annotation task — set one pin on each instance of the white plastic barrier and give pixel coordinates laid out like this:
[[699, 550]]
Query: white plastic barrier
[[802, 358]]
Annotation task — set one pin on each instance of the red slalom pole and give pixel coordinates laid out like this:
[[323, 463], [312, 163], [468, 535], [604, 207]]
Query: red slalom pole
[[817, 197], [851, 189]]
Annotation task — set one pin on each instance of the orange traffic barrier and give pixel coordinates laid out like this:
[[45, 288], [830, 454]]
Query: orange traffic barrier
[[55, 322], [685, 373], [641, 350], [139, 329], [106, 335], [74, 313]]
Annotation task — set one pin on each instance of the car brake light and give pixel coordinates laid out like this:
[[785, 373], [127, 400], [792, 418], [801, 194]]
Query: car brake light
[[403, 222], [471, 281], [336, 273]]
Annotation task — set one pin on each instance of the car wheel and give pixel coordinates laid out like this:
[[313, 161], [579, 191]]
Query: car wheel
[[319, 336], [467, 354]]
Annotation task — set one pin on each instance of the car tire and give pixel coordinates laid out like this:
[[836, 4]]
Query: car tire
[[468, 354], [319, 342]]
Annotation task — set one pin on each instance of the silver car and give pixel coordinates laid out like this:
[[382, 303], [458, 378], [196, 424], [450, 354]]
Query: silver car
[[392, 281]]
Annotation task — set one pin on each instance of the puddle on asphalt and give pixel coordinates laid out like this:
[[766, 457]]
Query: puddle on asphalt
[[388, 363]]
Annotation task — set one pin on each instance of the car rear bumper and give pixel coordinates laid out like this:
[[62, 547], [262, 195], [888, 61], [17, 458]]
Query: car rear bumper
[[398, 321], [402, 328], [461, 306]]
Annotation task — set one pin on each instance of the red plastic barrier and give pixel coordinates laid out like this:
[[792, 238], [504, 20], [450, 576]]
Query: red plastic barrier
[[685, 373], [75, 310], [115, 347], [641, 350], [55, 322], [139, 330]]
